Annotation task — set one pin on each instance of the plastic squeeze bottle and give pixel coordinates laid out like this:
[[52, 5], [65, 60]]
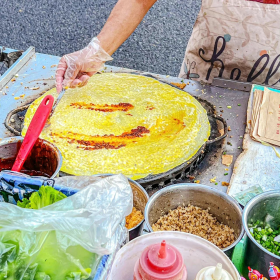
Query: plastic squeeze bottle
[[160, 262], [273, 272], [213, 273]]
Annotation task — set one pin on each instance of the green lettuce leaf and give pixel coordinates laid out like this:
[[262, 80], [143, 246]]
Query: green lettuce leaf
[[25, 203], [43, 256], [44, 197]]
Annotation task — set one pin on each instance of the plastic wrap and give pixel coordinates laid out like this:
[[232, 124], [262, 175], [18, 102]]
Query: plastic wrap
[[66, 239], [124, 123]]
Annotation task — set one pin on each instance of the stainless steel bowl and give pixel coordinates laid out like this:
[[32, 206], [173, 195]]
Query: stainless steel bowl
[[45, 156], [222, 206], [140, 199], [256, 256]]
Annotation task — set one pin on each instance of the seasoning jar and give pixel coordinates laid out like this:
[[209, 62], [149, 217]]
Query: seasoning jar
[[160, 262], [213, 273]]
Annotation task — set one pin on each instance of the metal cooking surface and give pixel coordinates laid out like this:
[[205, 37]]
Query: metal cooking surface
[[14, 122], [37, 76]]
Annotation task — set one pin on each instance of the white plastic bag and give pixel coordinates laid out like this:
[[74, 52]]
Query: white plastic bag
[[64, 233]]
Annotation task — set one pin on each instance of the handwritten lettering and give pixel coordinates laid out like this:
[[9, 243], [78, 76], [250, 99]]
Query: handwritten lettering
[[257, 70], [272, 72], [214, 57], [251, 76], [238, 74]]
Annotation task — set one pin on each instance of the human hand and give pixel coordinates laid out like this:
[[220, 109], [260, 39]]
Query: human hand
[[76, 68]]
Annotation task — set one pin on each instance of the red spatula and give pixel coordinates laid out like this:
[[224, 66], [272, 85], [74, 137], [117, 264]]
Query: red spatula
[[34, 130]]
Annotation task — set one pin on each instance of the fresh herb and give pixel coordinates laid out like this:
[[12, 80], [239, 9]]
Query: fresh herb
[[226, 174]]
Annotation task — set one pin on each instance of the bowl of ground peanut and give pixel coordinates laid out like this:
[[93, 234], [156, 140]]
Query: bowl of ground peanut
[[199, 210]]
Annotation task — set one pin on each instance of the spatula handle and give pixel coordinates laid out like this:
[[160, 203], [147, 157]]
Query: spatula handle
[[34, 130]]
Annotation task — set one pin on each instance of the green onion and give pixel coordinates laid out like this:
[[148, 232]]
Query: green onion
[[266, 236]]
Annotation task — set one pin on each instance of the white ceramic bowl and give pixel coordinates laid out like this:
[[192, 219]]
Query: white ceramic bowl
[[197, 254]]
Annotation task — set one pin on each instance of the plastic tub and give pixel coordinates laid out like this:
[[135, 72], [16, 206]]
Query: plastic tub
[[197, 254]]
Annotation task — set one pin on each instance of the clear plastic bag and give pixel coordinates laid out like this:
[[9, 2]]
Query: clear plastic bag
[[77, 182], [66, 239]]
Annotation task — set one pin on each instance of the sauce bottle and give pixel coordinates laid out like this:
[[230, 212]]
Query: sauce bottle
[[160, 262], [213, 273], [273, 272]]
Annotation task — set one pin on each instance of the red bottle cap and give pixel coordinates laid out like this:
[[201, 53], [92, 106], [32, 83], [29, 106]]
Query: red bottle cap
[[161, 262]]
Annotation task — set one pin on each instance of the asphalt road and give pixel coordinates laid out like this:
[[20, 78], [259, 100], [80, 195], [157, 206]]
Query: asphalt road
[[59, 27]]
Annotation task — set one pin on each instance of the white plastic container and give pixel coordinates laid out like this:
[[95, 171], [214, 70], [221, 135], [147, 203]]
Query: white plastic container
[[197, 253]]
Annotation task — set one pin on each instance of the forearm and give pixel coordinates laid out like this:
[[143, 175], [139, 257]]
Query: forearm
[[125, 17]]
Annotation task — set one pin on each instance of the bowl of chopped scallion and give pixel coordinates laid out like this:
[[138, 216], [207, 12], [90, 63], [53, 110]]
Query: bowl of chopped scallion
[[261, 221]]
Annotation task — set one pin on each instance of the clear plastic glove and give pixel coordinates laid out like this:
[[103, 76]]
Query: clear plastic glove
[[76, 68]]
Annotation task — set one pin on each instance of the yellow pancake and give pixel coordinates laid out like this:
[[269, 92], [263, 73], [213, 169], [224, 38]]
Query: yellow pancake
[[124, 123]]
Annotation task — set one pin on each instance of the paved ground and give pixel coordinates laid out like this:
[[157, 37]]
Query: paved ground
[[58, 27]]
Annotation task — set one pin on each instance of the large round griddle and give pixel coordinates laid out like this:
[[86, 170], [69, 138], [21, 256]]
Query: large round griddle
[[14, 123]]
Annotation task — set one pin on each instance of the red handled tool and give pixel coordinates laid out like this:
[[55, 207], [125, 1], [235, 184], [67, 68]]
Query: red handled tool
[[33, 132]]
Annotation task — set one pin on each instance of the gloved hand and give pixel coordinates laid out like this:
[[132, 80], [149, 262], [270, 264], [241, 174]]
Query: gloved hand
[[76, 68]]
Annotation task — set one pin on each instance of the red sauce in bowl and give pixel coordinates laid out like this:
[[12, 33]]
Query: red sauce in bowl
[[7, 164]]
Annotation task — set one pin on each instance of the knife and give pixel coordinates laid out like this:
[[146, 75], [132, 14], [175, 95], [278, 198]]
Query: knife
[[54, 106], [57, 101]]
